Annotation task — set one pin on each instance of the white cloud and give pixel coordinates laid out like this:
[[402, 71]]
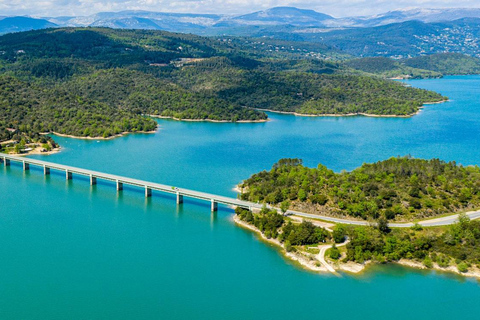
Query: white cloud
[[336, 8]]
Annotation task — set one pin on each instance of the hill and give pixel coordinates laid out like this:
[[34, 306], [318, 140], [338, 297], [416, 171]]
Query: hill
[[18, 24], [402, 189], [99, 82], [406, 39], [429, 66], [446, 63]]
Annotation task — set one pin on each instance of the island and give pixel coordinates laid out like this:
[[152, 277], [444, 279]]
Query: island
[[393, 190]]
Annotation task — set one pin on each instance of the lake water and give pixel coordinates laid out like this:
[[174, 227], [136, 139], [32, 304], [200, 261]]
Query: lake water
[[71, 251]]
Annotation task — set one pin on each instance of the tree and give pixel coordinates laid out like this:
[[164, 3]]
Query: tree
[[284, 206], [339, 233], [288, 246], [462, 267], [334, 253], [382, 225]]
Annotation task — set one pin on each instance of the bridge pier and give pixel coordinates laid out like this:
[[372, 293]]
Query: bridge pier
[[46, 170], [6, 162], [93, 180], [26, 166], [148, 192], [179, 198], [68, 175], [214, 206], [119, 186]]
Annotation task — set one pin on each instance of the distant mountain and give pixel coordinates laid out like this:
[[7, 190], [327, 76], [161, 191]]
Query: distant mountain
[[179, 22], [17, 24], [260, 21], [281, 16], [406, 39], [401, 33], [398, 16]]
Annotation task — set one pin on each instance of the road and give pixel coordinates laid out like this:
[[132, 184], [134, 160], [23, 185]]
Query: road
[[218, 198], [443, 221], [323, 250]]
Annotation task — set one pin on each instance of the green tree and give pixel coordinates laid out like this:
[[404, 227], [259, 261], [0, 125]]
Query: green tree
[[334, 253]]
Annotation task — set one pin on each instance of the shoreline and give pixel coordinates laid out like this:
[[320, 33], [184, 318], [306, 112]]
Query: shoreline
[[354, 114], [59, 149], [99, 138], [37, 152], [350, 266], [300, 259], [207, 120]]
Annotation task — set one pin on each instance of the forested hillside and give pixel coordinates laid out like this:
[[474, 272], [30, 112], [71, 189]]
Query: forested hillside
[[396, 189], [430, 66], [446, 63], [93, 82]]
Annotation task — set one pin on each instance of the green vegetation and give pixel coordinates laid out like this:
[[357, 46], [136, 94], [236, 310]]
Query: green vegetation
[[401, 189], [446, 63], [455, 245], [274, 225], [389, 68], [430, 66], [98, 82]]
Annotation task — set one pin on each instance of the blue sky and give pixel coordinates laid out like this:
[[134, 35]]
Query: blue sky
[[337, 8]]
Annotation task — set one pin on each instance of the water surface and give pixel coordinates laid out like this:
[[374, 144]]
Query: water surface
[[73, 251]]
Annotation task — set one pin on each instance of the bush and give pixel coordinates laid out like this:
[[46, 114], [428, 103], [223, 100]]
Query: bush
[[339, 233], [462, 267], [427, 262], [334, 253], [288, 246]]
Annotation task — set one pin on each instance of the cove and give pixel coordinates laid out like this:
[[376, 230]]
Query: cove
[[69, 250]]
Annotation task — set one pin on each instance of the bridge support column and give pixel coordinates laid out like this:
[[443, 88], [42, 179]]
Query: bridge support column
[[93, 180], [119, 186], [148, 192], [68, 175], [26, 166], [6, 162], [179, 198], [46, 170], [214, 206]]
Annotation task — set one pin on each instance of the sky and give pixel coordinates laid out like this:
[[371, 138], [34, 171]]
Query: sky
[[336, 8]]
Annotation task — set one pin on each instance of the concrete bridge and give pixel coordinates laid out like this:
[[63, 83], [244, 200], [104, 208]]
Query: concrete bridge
[[212, 198], [120, 181]]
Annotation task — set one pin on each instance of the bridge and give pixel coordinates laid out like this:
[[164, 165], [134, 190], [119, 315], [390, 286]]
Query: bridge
[[212, 198], [120, 181]]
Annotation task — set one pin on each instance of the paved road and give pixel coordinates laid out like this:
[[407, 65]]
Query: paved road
[[443, 221]]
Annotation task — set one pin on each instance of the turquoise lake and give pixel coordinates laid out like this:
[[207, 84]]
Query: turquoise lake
[[72, 251]]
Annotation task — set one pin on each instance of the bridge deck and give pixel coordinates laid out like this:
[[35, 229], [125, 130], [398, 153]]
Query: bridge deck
[[216, 198], [134, 182]]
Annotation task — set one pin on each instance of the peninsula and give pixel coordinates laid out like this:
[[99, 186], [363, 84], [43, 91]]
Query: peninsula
[[100, 83], [397, 189]]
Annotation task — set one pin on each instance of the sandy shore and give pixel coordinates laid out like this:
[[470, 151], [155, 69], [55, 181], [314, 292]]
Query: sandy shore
[[354, 114], [299, 258], [208, 120], [37, 151], [350, 266], [100, 138], [472, 272]]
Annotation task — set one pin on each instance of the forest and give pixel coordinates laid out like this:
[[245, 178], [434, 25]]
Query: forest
[[453, 245], [273, 225], [99, 82], [397, 189], [421, 67]]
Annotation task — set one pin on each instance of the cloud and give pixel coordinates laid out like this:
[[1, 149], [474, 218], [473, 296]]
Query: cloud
[[336, 8]]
